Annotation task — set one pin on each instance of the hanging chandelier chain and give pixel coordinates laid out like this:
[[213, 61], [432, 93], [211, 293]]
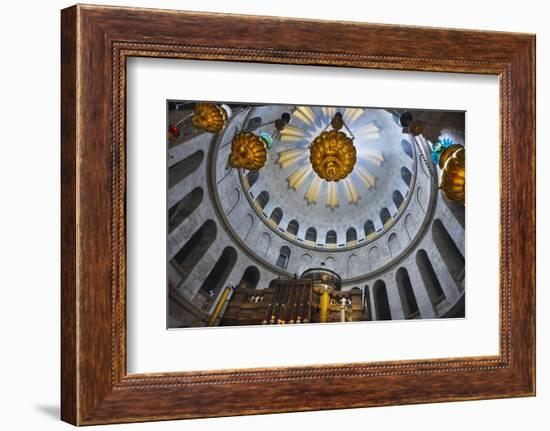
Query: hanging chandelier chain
[[348, 129], [183, 120]]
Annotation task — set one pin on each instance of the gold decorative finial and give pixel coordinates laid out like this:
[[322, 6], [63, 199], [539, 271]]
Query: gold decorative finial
[[209, 117], [332, 155], [248, 151], [337, 121]]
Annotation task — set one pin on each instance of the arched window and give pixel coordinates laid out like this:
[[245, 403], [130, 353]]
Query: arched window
[[331, 237], [284, 256], [406, 294], [252, 177], [293, 227], [217, 277], [311, 234], [369, 228], [449, 251], [184, 208], [429, 277], [351, 235], [182, 169], [397, 198], [406, 174], [381, 303], [276, 215], [407, 148], [250, 277], [193, 250], [385, 216], [262, 199]]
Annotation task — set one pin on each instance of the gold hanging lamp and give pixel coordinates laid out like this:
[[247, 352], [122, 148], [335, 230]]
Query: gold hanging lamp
[[249, 151], [209, 117], [453, 175], [332, 153], [451, 159]]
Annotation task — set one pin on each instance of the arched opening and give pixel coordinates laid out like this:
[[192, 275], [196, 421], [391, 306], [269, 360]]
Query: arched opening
[[193, 250], [262, 199], [284, 256], [351, 235], [276, 216], [311, 234], [217, 277], [429, 277], [457, 210], [250, 278], [331, 237], [369, 228], [448, 250], [406, 175], [406, 294], [293, 227], [381, 302], [407, 148], [184, 208], [252, 177], [397, 198], [385, 216], [181, 170]]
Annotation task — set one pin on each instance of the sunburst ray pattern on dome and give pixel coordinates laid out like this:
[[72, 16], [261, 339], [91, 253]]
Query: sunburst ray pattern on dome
[[306, 123]]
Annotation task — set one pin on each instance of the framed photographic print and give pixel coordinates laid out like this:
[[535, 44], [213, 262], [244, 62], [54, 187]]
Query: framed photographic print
[[321, 186], [264, 208]]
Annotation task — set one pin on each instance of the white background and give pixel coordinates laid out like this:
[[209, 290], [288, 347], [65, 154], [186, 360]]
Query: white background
[[153, 349], [29, 228]]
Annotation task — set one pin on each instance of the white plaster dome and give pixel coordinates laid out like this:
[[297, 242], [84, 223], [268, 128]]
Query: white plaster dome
[[309, 211]]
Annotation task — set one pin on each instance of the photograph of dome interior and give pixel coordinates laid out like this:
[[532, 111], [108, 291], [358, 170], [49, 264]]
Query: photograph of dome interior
[[294, 214]]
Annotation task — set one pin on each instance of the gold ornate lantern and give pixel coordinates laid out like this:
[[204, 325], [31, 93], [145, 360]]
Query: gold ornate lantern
[[453, 176], [332, 155], [248, 151], [209, 117]]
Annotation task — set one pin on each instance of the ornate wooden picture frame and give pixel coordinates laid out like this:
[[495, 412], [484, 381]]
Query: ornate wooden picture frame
[[96, 41]]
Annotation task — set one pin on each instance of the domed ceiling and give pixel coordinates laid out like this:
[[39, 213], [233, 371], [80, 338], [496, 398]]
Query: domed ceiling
[[357, 208], [287, 193]]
